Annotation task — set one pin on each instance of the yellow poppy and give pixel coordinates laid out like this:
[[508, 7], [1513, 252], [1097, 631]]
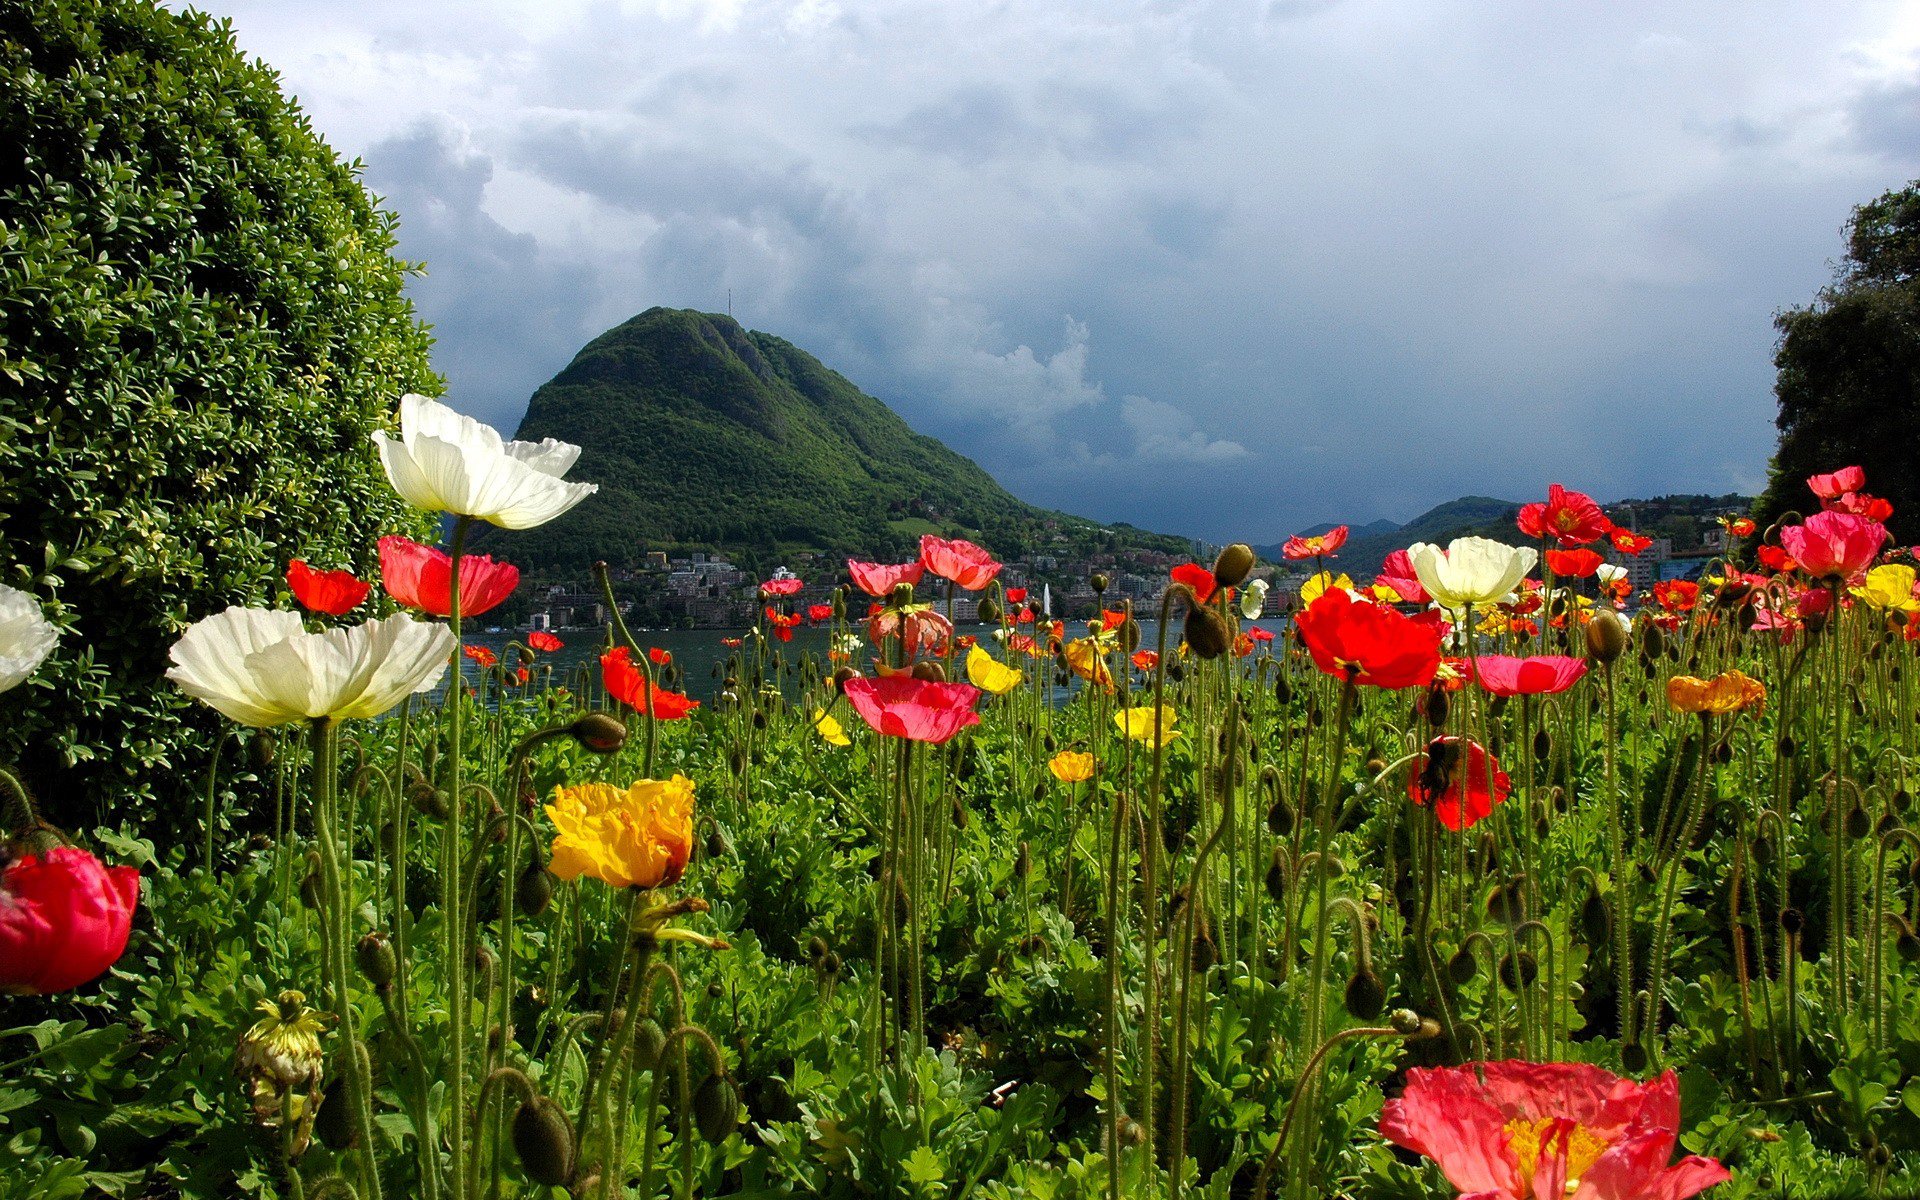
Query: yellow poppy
[[1087, 660], [1070, 766], [1147, 724], [989, 674], [637, 837], [1317, 586], [1727, 692], [830, 729], [1889, 588]]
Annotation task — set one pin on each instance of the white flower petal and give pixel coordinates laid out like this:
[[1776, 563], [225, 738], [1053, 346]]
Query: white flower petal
[[449, 462], [549, 456], [26, 637]]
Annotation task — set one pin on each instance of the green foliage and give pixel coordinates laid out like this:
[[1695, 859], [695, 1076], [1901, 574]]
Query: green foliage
[[704, 434], [1849, 369], [200, 321]]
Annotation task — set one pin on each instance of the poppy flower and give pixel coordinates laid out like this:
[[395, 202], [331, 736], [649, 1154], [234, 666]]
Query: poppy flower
[[1319, 585], [1154, 726], [781, 587], [480, 654], [1773, 558], [1260, 635], [1834, 544], [26, 637], [1196, 577], [638, 836], [1016, 595], [916, 709], [626, 683], [1471, 570], [1626, 541], [262, 668], [1460, 780], [1520, 1130], [1543, 674], [877, 579], [1738, 526], [989, 674], [1320, 545], [961, 561], [1087, 658], [445, 461], [730, 643], [1071, 766], [1398, 576], [335, 593], [1889, 588], [545, 642], [965, 641], [1838, 483], [1369, 643], [1146, 660], [1726, 693], [782, 623], [1861, 505], [1676, 595], [422, 577], [819, 612], [1573, 564], [1253, 601], [659, 657], [920, 629], [64, 919], [1571, 517], [1111, 619]]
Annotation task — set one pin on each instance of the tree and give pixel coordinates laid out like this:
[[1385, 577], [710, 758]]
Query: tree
[[200, 322], [1849, 369]]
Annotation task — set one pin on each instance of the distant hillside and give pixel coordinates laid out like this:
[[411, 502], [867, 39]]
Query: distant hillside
[[705, 435], [1683, 519]]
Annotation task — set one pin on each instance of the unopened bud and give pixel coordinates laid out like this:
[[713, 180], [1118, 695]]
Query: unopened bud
[[1206, 632], [599, 732], [1606, 637], [543, 1138], [1098, 581], [377, 961], [716, 1109], [1233, 564], [929, 671]]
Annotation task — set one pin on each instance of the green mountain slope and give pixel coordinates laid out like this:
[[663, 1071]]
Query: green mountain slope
[[702, 434]]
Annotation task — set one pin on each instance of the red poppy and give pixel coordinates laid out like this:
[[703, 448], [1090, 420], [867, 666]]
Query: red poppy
[[730, 643], [876, 579], [1025, 616], [422, 577], [1543, 674], [1196, 577], [1320, 545], [332, 592], [1146, 660], [1260, 635], [1572, 517], [819, 612], [1524, 627], [64, 919], [626, 683], [1519, 1130], [1834, 544], [659, 657], [1016, 595], [1676, 595], [1773, 558], [1397, 573], [781, 587], [1369, 643], [965, 642], [521, 675], [1861, 505], [1573, 564], [1111, 618], [1837, 484], [1462, 787], [1626, 541], [1242, 645], [480, 654], [916, 709], [544, 642], [782, 623], [1738, 526], [961, 561]]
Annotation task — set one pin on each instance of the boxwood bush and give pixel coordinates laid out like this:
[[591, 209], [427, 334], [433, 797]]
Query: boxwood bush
[[201, 318]]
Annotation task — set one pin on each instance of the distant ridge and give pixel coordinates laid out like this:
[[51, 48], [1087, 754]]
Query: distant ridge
[[705, 435]]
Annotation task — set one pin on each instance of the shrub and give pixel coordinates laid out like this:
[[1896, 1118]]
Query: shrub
[[200, 321]]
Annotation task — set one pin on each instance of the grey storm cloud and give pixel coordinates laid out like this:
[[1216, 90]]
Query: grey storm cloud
[[1214, 266]]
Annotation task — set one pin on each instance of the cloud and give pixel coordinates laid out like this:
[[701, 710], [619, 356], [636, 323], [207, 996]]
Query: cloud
[[1371, 254]]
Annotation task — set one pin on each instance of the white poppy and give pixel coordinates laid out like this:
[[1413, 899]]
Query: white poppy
[[1608, 573], [446, 461], [1253, 601], [261, 667], [26, 637], [1471, 570]]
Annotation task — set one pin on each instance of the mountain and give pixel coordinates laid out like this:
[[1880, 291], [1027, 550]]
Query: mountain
[[705, 435]]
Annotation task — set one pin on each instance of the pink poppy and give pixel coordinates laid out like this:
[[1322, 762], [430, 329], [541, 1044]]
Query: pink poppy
[[64, 919], [781, 587], [1542, 674], [878, 579], [1830, 544], [920, 630], [961, 561], [1838, 483], [1397, 572], [916, 709], [422, 577]]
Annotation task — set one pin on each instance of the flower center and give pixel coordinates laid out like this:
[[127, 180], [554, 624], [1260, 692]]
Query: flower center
[[1553, 1137]]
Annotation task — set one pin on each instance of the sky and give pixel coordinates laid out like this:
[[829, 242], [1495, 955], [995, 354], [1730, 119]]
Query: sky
[[1224, 268]]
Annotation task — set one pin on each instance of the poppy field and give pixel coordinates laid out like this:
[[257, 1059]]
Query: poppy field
[[1487, 876]]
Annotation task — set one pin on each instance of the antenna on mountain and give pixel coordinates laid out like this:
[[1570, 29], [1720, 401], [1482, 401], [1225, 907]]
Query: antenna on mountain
[[729, 302]]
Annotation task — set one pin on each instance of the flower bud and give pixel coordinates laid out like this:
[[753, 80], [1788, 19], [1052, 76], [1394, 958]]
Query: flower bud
[[989, 610], [262, 748], [1098, 581], [1462, 967], [533, 891], [839, 604], [377, 961], [840, 677], [1366, 996], [1606, 637], [1233, 564], [543, 1138], [1206, 632], [716, 1109], [929, 671], [900, 596], [649, 1042], [1405, 1022], [599, 732]]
